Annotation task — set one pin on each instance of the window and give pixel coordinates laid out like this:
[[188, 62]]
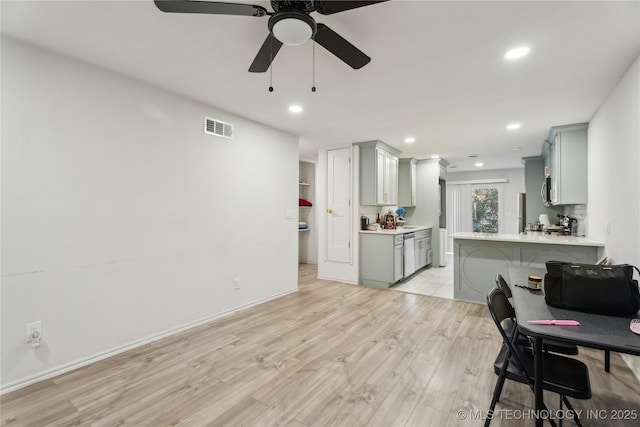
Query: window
[[474, 206], [485, 210]]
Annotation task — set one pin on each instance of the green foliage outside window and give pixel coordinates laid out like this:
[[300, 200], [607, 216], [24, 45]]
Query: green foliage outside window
[[485, 210]]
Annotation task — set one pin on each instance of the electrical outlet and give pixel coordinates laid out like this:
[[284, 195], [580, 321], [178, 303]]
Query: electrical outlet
[[236, 283], [34, 333]]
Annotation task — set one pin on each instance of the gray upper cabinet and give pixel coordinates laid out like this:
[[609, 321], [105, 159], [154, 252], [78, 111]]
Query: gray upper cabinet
[[566, 160], [407, 182], [378, 174]]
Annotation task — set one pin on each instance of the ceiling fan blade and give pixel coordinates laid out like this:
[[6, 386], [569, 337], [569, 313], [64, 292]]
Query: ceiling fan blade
[[341, 48], [330, 7], [267, 52], [210, 7]]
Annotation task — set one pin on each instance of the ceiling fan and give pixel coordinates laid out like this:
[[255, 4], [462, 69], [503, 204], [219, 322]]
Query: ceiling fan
[[289, 23]]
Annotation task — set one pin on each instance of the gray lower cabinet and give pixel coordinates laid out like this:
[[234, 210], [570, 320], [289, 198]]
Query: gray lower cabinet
[[423, 248], [380, 259], [398, 261], [421, 253]]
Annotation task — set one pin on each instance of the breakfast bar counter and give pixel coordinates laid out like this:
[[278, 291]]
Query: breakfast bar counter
[[532, 237], [398, 230], [478, 257]]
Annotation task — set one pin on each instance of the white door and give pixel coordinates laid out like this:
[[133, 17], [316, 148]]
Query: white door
[[339, 205]]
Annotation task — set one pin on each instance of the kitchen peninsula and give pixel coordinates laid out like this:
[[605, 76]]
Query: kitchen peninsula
[[477, 257]]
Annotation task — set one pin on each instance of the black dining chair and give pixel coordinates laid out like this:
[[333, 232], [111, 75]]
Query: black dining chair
[[563, 375], [523, 341], [503, 285]]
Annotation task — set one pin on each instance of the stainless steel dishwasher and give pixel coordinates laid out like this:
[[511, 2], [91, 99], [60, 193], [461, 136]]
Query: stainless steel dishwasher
[[409, 254]]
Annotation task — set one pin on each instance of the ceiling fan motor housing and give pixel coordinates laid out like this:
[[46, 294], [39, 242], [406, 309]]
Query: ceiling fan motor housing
[[281, 5]]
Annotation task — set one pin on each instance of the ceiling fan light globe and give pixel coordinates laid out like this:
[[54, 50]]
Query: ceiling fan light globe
[[292, 31]]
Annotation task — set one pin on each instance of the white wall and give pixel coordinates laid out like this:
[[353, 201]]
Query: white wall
[[614, 175], [614, 170], [121, 220]]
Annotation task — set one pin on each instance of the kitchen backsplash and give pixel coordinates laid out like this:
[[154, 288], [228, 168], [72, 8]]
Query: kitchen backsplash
[[372, 211], [578, 212]]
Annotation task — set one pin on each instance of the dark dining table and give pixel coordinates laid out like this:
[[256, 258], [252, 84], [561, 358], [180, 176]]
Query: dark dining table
[[609, 333]]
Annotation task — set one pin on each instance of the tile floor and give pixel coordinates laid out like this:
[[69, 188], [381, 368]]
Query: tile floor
[[434, 281]]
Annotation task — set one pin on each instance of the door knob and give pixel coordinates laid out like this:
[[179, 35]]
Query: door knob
[[330, 210]]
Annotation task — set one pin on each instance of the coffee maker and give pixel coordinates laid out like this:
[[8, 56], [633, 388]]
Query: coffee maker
[[569, 225], [364, 222]]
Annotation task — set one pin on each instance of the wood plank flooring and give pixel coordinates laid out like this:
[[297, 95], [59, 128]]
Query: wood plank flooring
[[331, 354]]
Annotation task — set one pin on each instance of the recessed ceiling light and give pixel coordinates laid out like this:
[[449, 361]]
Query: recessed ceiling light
[[295, 109], [513, 126], [479, 164], [409, 140], [435, 156], [516, 53]]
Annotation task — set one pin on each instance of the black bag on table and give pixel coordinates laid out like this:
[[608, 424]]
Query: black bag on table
[[603, 289]]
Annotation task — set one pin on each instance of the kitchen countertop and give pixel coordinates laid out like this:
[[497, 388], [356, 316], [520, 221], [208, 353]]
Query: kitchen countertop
[[399, 230], [535, 237]]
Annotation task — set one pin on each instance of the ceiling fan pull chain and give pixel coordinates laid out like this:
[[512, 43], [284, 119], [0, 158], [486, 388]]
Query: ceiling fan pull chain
[[271, 67], [313, 87]]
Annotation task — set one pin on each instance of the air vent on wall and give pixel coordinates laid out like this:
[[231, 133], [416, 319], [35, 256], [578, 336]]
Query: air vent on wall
[[218, 128]]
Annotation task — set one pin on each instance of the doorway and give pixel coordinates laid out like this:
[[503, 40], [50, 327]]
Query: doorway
[[307, 211]]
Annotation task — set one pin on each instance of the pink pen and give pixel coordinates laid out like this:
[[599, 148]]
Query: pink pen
[[555, 322]]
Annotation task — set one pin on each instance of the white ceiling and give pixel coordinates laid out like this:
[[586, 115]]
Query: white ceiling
[[437, 70]]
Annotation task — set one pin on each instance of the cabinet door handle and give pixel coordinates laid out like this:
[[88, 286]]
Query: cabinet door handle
[[330, 210]]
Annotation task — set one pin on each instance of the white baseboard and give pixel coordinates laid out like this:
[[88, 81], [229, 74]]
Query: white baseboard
[[336, 279], [58, 370]]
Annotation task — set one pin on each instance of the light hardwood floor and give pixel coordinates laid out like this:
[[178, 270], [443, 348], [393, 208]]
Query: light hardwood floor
[[331, 354]]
